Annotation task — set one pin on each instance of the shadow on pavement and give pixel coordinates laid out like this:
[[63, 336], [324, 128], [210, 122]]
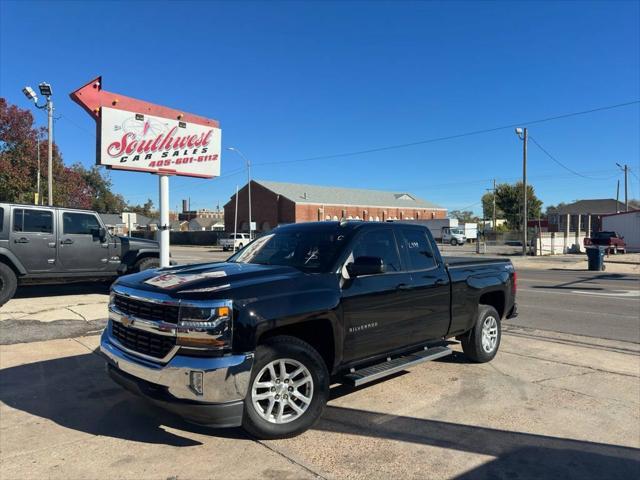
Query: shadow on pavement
[[83, 288], [519, 455], [76, 393]]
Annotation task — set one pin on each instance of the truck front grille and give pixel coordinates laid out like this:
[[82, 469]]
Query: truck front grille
[[151, 344], [147, 310]]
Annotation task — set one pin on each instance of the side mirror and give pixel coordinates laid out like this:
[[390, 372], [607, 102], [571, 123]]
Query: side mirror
[[102, 234], [365, 266]]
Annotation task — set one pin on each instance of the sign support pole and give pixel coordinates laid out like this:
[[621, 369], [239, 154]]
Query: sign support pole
[[164, 220]]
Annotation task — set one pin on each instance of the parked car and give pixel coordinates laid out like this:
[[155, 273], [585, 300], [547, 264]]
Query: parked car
[[612, 240], [236, 241], [256, 341], [58, 245]]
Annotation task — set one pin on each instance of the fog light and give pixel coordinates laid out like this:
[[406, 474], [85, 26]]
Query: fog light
[[196, 381]]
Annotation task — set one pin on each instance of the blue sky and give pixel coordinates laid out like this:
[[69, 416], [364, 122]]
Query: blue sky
[[290, 81]]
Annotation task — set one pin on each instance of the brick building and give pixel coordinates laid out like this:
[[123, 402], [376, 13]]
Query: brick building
[[277, 203]]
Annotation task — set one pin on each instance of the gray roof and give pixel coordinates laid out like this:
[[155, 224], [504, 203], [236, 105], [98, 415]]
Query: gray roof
[[595, 206], [111, 219], [201, 222], [315, 194]]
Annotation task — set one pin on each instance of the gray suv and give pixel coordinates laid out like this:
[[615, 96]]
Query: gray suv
[[58, 245]]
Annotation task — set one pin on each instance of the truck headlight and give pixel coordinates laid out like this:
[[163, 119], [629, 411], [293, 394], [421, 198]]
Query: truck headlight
[[205, 327]]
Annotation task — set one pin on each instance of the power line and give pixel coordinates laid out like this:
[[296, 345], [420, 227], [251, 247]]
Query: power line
[[451, 137], [563, 165]]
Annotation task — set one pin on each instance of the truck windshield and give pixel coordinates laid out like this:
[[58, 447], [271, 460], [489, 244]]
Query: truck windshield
[[309, 250], [456, 231]]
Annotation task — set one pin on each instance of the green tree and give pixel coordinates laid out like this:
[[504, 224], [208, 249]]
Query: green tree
[[463, 216], [146, 209], [509, 200], [99, 183], [487, 207], [552, 209]]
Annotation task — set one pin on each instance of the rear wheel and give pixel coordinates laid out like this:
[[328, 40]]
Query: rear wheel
[[288, 390], [482, 342], [147, 263], [8, 283]]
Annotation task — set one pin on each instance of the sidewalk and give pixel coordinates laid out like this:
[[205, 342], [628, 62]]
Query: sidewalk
[[629, 263]]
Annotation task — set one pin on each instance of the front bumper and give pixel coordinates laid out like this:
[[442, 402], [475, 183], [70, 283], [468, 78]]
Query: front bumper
[[225, 382]]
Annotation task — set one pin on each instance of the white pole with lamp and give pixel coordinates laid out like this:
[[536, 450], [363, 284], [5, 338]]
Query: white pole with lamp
[[248, 162], [46, 91]]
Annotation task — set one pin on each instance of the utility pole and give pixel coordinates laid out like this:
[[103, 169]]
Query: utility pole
[[625, 169], [493, 225], [618, 197], [522, 133]]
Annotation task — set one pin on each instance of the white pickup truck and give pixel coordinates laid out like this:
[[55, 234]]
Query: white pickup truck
[[236, 241]]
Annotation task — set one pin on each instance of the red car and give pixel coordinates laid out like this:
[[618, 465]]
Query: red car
[[608, 239]]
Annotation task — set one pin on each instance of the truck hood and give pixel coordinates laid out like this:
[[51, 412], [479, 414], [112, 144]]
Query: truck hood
[[210, 280], [134, 243]]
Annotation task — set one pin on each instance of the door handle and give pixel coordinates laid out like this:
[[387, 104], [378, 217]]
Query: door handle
[[403, 286], [21, 240], [439, 282], [67, 241]]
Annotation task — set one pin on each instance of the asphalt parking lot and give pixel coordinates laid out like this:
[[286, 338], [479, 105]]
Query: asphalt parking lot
[[561, 400]]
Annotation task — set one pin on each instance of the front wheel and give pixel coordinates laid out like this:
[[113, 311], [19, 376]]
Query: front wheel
[[288, 390], [147, 263], [481, 344], [8, 283], [454, 242]]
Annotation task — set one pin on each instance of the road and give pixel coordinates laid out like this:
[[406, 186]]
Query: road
[[593, 304]]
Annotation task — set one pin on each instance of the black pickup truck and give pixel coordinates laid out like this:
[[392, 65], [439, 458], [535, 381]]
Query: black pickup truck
[[257, 340]]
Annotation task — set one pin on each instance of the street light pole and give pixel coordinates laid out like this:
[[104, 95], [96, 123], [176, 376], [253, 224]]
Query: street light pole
[[38, 197], [46, 91], [522, 133], [248, 162], [50, 151]]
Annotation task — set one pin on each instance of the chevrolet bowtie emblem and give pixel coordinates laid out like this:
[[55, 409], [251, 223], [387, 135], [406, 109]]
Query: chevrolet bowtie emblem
[[126, 320]]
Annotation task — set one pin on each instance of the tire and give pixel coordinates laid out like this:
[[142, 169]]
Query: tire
[[472, 343], [147, 263], [8, 283], [240, 247], [296, 354], [453, 242]]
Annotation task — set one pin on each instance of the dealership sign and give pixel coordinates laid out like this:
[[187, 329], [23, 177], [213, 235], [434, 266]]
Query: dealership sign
[[136, 135], [134, 141]]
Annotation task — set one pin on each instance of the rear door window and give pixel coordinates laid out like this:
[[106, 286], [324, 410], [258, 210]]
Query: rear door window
[[1, 218], [32, 221], [79, 224], [418, 249]]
